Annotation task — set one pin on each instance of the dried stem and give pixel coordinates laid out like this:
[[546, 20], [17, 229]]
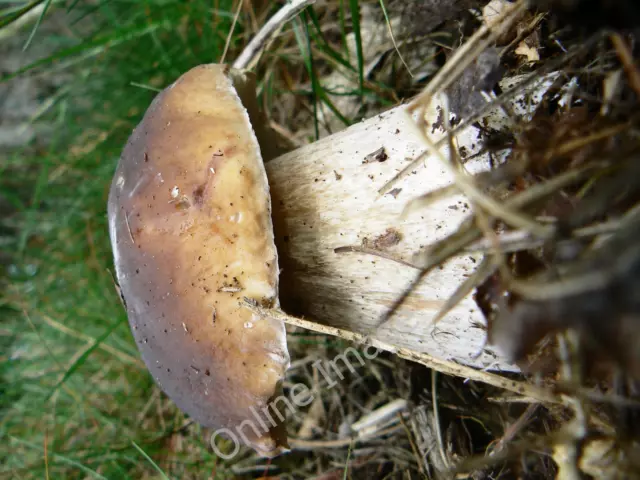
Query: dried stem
[[253, 50], [443, 366]]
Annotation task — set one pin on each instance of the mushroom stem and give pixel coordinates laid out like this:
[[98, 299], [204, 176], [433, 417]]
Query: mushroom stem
[[325, 196]]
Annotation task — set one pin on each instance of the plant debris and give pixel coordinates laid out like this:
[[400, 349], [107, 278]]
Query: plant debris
[[563, 297]]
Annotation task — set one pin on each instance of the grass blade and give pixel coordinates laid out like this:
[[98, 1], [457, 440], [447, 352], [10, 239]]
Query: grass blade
[[19, 13], [355, 18], [304, 44], [150, 460], [82, 358], [90, 48], [60, 458], [37, 25]]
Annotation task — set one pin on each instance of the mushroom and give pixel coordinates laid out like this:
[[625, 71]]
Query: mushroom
[[190, 226]]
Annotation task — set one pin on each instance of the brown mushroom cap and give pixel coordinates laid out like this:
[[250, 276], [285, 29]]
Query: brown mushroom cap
[[190, 225]]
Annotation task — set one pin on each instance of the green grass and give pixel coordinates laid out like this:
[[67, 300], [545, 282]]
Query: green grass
[[75, 400]]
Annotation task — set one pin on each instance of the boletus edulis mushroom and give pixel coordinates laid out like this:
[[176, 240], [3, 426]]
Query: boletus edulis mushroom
[[190, 226], [189, 216]]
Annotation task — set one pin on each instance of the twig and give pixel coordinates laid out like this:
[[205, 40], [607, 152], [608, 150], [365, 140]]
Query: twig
[[379, 414], [301, 444], [523, 34], [374, 252], [626, 58], [522, 240], [512, 430], [423, 430], [467, 53], [255, 47], [484, 270], [393, 38], [443, 366], [436, 419], [468, 232], [576, 284], [529, 81], [412, 444], [480, 201], [513, 450], [466, 185], [231, 30]]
